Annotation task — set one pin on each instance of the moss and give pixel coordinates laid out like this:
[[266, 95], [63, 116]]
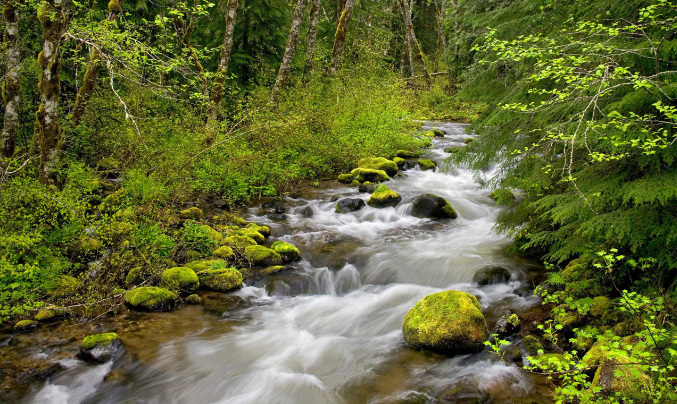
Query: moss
[[345, 178], [618, 375], [211, 233], [117, 231], [427, 164], [134, 277], [469, 140], [273, 269], [567, 319], [119, 291], [93, 341], [114, 6], [368, 174], [194, 299], [225, 253], [451, 150], [379, 163], [179, 278], [502, 196], [50, 313], [531, 345], [220, 280], [384, 197], [450, 322], [151, 298], [231, 218], [108, 164], [355, 183], [287, 251], [192, 255], [67, 286], [198, 266], [428, 134], [399, 161], [513, 320], [252, 234], [406, 154], [600, 305], [87, 246], [263, 230], [25, 326], [438, 133], [258, 255], [193, 213], [238, 242]]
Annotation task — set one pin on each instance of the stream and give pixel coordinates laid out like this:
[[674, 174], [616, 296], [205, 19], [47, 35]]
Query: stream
[[330, 329]]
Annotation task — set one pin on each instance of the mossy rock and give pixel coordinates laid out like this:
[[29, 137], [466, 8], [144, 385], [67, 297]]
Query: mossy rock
[[87, 246], [438, 133], [193, 213], [224, 252], [192, 255], [273, 270], [469, 140], [287, 251], [427, 164], [448, 322], [451, 150], [134, 276], [211, 263], [238, 243], [108, 164], [508, 324], [260, 256], [151, 298], [117, 231], [368, 174], [425, 142], [618, 375], [252, 234], [181, 279], [355, 183], [113, 202], [433, 207], [600, 305], [379, 163], [263, 230], [384, 197], [50, 313], [25, 326], [67, 287], [212, 233], [406, 154], [566, 318], [345, 178], [399, 161], [220, 280], [531, 345], [194, 299], [511, 352], [100, 347]]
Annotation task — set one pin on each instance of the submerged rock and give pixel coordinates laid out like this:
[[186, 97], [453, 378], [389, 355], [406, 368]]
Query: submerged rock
[[260, 256], [427, 164], [100, 347], [25, 326], [350, 205], [287, 251], [492, 276], [181, 279], [449, 322], [151, 298], [384, 197], [307, 212], [433, 207], [379, 163], [220, 280]]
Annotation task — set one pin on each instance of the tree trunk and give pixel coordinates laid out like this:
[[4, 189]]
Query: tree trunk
[[440, 6], [220, 79], [192, 55], [312, 38], [53, 20], [340, 36], [454, 75], [289, 51], [407, 39], [11, 86], [411, 39], [92, 72], [339, 10]]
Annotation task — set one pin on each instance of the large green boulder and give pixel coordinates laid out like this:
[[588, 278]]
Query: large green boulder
[[379, 163], [263, 230], [260, 256], [427, 164], [287, 251], [100, 347], [448, 322], [182, 279], [224, 252], [368, 174], [151, 298], [25, 326], [201, 265], [220, 280], [384, 197], [238, 243]]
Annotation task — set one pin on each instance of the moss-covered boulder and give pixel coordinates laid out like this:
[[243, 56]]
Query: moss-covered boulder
[[100, 348], [508, 324], [406, 154], [368, 174], [193, 213], [134, 276], [263, 230], [25, 326], [287, 251], [50, 313], [238, 243], [151, 298], [433, 207], [220, 280], [348, 205], [427, 164], [180, 279], [399, 161], [345, 178], [379, 163], [252, 234], [438, 133], [384, 197], [448, 322], [68, 285], [260, 256], [211, 263], [531, 345], [600, 306], [224, 252], [193, 299], [620, 375]]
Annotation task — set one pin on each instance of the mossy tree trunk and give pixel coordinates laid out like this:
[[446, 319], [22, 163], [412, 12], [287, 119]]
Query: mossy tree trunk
[[440, 6], [402, 6], [11, 85], [453, 72], [340, 36], [53, 20], [92, 73], [414, 46], [289, 51], [184, 30], [312, 37], [218, 87]]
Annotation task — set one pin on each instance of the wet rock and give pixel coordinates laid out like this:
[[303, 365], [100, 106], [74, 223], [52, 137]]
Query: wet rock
[[433, 207], [492, 276], [220, 280], [368, 174], [427, 164], [307, 211], [25, 326], [349, 205], [277, 217], [179, 279], [366, 188], [448, 322], [438, 133], [379, 163], [409, 165], [508, 324], [277, 206], [531, 345], [260, 256], [100, 348], [384, 197], [193, 213], [194, 299], [150, 298], [467, 392], [512, 353], [220, 203], [50, 314], [399, 161], [287, 251]]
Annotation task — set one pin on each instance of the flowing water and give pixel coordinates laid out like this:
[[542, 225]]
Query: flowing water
[[329, 330]]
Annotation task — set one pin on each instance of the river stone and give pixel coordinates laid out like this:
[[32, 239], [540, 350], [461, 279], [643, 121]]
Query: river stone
[[287, 251], [259, 228], [427, 164], [25, 326], [438, 133], [368, 174], [181, 279], [224, 252], [194, 299], [151, 298], [508, 324], [307, 211], [367, 188], [260, 256], [492, 276], [349, 205], [433, 207], [220, 280], [100, 348], [379, 163], [384, 197], [448, 322]]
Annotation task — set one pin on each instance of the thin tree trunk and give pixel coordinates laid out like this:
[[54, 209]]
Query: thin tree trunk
[[192, 55], [220, 80], [92, 73], [340, 36], [411, 35], [53, 20], [407, 39], [289, 51], [312, 37], [454, 76], [440, 6], [11, 86]]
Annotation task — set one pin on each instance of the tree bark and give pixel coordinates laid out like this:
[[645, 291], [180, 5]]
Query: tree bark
[[411, 39], [312, 38], [53, 21], [11, 86], [440, 6], [289, 51], [92, 73], [454, 75], [226, 52], [407, 39], [340, 36]]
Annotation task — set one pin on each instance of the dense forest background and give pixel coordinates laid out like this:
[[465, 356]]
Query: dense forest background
[[118, 114]]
